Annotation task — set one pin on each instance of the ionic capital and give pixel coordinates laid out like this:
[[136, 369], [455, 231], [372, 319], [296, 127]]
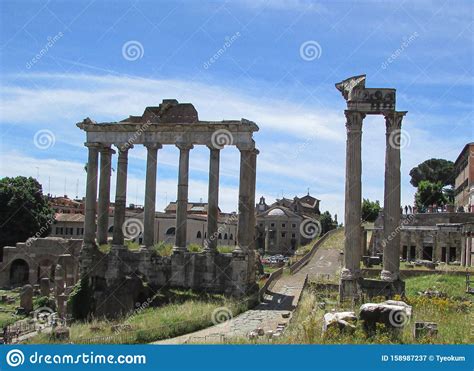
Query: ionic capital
[[184, 146], [123, 147], [153, 146], [106, 149], [93, 145]]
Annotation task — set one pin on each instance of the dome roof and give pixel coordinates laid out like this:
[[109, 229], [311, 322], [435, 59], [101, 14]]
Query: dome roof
[[277, 212]]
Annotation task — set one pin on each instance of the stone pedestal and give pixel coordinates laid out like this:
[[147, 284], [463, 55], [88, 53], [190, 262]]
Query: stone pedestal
[[26, 298], [45, 287]]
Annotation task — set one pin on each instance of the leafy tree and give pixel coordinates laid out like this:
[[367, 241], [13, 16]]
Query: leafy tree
[[370, 210], [429, 194], [327, 223], [24, 211], [433, 170]]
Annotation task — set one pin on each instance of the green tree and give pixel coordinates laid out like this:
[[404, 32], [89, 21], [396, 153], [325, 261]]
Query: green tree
[[327, 223], [370, 210], [433, 170], [24, 211], [429, 194]]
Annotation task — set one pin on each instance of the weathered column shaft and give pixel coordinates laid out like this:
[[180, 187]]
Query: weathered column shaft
[[91, 195], [243, 235], [353, 196], [213, 200], [104, 195], [182, 201], [120, 196], [150, 195], [253, 184], [391, 207]]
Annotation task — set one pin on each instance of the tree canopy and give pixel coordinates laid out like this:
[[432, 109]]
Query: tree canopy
[[327, 223], [429, 194], [370, 210], [24, 210], [433, 170]]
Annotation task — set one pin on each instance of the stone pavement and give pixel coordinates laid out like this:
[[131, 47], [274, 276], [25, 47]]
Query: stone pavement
[[275, 311]]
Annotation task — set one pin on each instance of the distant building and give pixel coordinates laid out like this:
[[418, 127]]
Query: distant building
[[65, 205], [278, 228], [464, 179], [199, 208]]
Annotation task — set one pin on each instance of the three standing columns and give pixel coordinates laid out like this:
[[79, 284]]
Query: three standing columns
[[182, 201], [353, 202], [391, 204], [150, 195], [120, 197], [213, 200]]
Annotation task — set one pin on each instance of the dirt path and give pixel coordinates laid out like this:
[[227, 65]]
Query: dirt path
[[275, 311]]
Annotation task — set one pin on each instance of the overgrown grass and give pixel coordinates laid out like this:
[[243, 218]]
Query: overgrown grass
[[132, 245], [451, 314], [7, 315], [225, 249], [186, 312], [194, 247], [163, 249]]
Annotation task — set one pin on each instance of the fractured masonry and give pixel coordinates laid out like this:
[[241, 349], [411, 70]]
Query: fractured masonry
[[362, 101], [122, 278]]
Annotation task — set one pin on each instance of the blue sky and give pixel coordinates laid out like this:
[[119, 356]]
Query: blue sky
[[424, 49]]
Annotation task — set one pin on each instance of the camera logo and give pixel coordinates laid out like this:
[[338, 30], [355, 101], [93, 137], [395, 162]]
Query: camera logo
[[15, 358]]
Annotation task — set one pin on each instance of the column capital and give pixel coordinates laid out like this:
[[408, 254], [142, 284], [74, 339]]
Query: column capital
[[184, 146], [106, 149], [95, 145], [123, 147], [153, 145], [393, 119], [213, 148], [354, 120]]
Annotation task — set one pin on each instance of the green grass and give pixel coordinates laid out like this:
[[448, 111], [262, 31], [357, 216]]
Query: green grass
[[194, 247], [131, 245], [451, 314], [334, 241], [8, 316], [163, 249], [225, 249], [186, 312]]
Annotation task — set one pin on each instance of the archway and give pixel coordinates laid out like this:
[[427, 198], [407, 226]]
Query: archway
[[19, 273]]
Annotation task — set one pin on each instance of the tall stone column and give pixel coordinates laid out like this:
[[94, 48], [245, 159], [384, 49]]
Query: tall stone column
[[150, 194], [91, 195], [245, 187], [120, 196], [213, 200], [253, 184], [182, 201], [353, 208], [104, 194], [391, 204]]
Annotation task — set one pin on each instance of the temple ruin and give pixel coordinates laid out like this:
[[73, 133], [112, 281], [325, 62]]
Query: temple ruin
[[122, 278], [362, 101]]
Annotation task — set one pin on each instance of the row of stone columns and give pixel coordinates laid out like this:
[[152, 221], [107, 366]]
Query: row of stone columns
[[353, 199], [245, 235]]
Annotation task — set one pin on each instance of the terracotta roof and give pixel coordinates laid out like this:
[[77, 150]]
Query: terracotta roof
[[62, 217]]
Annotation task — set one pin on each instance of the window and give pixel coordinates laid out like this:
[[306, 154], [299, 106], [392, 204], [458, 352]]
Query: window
[[225, 236], [283, 234], [199, 234], [283, 225], [171, 231], [272, 224], [261, 224], [66, 230], [231, 237], [293, 225], [220, 236], [293, 235], [71, 231]]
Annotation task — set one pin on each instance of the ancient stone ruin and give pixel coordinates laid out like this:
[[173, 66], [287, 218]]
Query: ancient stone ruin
[[120, 279], [362, 101]]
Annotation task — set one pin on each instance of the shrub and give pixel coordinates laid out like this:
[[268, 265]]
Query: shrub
[[80, 299], [163, 249], [225, 249], [194, 247]]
